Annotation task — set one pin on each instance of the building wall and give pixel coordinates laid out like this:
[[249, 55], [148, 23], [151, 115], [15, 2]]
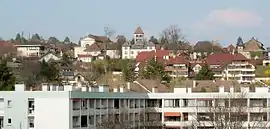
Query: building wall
[[87, 41], [129, 53], [52, 113], [28, 51]]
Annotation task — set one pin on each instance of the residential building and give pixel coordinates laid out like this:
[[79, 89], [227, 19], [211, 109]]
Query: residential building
[[94, 46], [91, 39], [131, 50], [175, 65], [252, 49], [49, 57], [228, 66], [68, 107], [30, 49]]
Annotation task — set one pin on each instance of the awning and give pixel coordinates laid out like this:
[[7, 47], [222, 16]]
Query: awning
[[172, 114]]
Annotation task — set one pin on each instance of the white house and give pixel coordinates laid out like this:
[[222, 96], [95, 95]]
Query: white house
[[95, 48], [130, 51], [30, 50], [49, 56]]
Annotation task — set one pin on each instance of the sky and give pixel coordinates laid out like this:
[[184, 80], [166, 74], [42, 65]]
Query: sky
[[221, 20]]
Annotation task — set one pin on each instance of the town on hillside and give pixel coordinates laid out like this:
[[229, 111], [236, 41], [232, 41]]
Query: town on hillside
[[140, 62], [149, 83]]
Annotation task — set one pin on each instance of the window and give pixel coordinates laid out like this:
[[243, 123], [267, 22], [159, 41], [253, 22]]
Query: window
[[9, 104], [9, 120]]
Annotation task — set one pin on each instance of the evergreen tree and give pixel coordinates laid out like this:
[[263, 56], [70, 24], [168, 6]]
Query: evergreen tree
[[155, 70], [7, 80], [18, 37], [205, 74], [128, 72], [67, 40], [49, 72]]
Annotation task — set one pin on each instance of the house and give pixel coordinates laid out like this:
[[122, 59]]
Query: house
[[30, 49], [85, 58], [228, 66], [91, 39], [49, 56], [6, 48], [174, 65], [203, 48], [131, 50], [93, 49], [251, 49]]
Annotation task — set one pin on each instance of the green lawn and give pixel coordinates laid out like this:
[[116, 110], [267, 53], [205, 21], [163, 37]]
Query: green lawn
[[260, 71]]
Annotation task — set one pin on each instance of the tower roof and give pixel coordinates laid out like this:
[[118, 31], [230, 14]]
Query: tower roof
[[138, 30]]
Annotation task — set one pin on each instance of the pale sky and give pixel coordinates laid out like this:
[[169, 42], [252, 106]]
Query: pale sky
[[222, 20]]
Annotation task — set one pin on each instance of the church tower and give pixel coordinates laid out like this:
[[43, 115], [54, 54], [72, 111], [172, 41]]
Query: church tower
[[240, 45], [138, 35]]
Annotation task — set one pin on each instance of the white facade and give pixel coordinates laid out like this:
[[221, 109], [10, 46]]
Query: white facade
[[87, 41], [29, 50], [66, 107], [48, 57], [131, 53], [243, 72]]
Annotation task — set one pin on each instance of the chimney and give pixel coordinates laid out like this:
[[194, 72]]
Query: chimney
[[154, 90], [128, 85], [194, 83]]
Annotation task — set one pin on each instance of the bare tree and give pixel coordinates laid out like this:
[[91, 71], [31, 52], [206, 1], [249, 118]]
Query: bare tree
[[109, 33], [172, 34], [231, 112]]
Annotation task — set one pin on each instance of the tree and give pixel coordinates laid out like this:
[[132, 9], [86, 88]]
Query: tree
[[18, 37], [172, 34], [155, 70], [66, 60], [66, 40], [121, 39], [50, 72], [230, 111], [36, 37], [53, 40], [205, 74], [153, 40], [129, 73], [7, 79], [1, 38]]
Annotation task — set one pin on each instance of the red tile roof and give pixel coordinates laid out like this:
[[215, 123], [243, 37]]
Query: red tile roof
[[139, 30], [224, 58], [144, 56], [177, 60]]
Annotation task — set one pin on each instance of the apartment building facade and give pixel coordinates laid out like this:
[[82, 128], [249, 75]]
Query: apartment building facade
[[30, 50], [66, 107], [229, 66]]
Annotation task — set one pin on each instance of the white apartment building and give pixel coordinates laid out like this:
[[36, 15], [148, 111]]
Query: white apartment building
[[130, 51], [30, 50], [66, 107], [232, 67]]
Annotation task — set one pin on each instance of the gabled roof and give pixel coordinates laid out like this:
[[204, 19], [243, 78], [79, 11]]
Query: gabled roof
[[206, 46], [177, 60], [224, 58], [144, 56], [253, 45], [138, 30], [100, 47]]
